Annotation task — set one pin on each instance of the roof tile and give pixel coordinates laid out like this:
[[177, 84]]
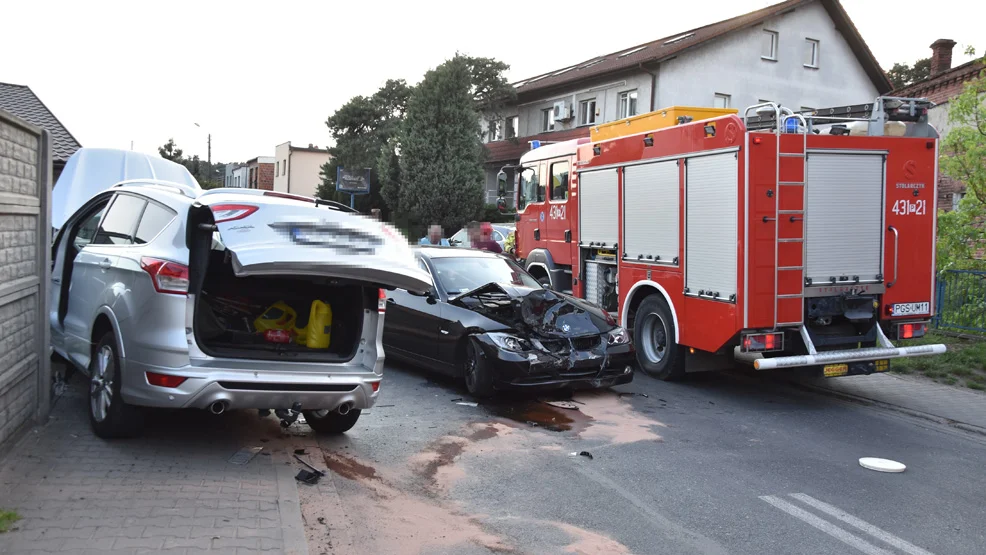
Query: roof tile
[[21, 101]]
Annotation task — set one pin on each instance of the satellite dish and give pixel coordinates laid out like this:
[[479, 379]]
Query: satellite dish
[[881, 465]]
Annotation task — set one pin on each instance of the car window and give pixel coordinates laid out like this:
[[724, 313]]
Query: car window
[[423, 265], [87, 229], [497, 236], [155, 218], [559, 181], [461, 275], [118, 226], [459, 238]]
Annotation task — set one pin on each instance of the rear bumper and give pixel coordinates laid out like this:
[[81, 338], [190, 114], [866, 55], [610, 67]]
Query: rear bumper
[[253, 389], [847, 356]]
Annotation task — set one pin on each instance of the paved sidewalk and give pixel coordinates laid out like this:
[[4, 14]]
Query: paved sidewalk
[[173, 490], [967, 408]]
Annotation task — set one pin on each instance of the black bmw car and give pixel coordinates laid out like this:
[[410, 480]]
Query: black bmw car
[[492, 323]]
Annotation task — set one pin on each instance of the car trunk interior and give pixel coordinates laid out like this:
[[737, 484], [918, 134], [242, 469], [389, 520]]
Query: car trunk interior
[[278, 317]]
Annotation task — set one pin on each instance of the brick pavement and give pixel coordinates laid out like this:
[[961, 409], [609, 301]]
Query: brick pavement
[[172, 490], [912, 394]]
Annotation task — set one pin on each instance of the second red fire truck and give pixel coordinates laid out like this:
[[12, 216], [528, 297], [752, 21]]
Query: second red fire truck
[[772, 238]]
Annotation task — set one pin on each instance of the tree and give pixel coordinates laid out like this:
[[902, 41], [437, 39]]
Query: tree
[[170, 151], [962, 232], [362, 128], [902, 75], [441, 155]]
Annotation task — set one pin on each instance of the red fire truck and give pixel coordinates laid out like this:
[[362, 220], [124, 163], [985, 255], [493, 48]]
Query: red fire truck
[[776, 239]]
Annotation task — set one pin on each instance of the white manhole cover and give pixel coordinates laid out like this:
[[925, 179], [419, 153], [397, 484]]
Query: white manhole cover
[[881, 465]]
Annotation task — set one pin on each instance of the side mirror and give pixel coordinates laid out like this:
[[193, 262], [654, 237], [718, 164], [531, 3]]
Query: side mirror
[[501, 205], [431, 297], [501, 191]]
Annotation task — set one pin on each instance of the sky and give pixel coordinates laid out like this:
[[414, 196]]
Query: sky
[[257, 74]]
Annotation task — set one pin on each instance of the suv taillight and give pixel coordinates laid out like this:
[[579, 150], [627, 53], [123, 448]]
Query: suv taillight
[[230, 212], [382, 302], [167, 277]]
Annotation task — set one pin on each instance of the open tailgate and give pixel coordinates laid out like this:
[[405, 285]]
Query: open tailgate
[[268, 235]]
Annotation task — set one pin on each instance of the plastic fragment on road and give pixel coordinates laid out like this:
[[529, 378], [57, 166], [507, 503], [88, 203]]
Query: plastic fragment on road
[[310, 478], [585, 454], [245, 455], [562, 404], [881, 465], [467, 404]]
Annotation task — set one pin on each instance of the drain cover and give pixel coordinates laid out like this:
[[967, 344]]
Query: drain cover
[[881, 465]]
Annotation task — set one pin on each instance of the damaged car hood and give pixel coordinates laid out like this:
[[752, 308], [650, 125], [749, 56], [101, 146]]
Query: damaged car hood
[[547, 313]]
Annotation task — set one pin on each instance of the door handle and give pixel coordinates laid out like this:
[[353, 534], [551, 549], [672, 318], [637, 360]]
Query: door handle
[[391, 301], [105, 263], [444, 332]]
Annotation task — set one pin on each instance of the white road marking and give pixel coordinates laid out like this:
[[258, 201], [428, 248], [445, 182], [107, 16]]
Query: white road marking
[[825, 526], [861, 524]]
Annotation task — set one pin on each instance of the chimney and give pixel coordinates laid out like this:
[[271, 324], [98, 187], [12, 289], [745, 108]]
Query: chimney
[[941, 57]]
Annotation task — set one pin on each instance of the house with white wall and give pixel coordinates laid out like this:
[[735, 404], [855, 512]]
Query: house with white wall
[[800, 53], [298, 170]]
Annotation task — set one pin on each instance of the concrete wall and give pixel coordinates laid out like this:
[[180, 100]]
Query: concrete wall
[[733, 65], [25, 237]]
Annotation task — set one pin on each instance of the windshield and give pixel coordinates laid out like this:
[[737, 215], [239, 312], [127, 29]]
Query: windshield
[[461, 275], [528, 187]]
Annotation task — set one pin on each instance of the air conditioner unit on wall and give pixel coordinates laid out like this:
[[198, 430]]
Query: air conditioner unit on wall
[[562, 111]]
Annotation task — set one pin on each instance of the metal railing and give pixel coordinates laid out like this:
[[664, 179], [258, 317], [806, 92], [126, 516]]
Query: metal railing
[[960, 302]]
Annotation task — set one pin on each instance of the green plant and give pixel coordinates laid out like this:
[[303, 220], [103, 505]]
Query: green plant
[[7, 520]]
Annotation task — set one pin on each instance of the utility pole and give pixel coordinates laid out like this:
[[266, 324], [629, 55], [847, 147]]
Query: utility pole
[[210, 149]]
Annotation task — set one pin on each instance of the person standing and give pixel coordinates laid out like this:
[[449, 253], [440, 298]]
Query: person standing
[[486, 241], [434, 237]]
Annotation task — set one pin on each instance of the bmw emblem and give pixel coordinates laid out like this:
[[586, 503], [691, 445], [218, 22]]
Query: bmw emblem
[[565, 328]]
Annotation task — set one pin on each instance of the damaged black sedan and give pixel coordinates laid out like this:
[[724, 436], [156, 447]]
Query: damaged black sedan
[[491, 323]]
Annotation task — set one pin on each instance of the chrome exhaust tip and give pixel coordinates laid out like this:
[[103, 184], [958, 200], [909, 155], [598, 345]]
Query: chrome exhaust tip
[[344, 408], [218, 407]]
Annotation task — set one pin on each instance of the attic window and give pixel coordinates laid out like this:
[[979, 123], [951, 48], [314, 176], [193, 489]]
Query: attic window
[[678, 38], [592, 63], [628, 52]]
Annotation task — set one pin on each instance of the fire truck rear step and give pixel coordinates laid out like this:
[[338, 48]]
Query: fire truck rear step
[[886, 350]]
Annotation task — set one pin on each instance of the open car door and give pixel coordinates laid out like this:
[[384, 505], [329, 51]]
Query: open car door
[[267, 234]]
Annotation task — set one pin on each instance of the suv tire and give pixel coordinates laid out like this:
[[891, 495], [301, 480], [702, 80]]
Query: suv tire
[[109, 416], [331, 422]]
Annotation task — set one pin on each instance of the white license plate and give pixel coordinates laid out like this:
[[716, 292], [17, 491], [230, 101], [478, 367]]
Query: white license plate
[[904, 309]]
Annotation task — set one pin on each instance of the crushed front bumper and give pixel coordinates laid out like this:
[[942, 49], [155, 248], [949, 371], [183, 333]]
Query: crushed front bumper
[[603, 366]]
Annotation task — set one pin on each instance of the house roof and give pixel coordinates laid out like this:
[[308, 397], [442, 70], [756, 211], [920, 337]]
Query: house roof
[[505, 151], [935, 89], [672, 45], [21, 101]]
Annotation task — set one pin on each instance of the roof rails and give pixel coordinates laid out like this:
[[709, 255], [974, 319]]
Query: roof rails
[[278, 194], [185, 190], [884, 109]]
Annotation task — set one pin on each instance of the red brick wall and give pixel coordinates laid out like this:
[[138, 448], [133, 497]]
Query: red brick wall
[[265, 180]]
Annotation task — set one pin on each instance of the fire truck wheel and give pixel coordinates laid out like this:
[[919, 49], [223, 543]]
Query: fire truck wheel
[[658, 354]]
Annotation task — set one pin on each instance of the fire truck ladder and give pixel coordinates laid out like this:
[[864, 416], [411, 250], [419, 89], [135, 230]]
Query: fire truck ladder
[[792, 189]]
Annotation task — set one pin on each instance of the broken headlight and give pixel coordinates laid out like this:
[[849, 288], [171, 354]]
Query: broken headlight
[[618, 336], [509, 342]]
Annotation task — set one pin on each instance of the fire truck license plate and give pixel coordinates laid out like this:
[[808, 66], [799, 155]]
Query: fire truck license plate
[[903, 309]]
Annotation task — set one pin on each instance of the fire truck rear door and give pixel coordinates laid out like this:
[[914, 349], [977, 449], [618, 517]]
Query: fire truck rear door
[[844, 217]]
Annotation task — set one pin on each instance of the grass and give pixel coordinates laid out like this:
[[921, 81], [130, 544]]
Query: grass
[[963, 364], [7, 519]]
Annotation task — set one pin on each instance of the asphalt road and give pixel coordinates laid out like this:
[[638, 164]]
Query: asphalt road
[[725, 463]]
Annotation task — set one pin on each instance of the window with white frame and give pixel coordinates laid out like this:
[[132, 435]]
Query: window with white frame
[[628, 104], [720, 100], [495, 130], [811, 53], [277, 169], [587, 112], [769, 49], [513, 127], [548, 119]]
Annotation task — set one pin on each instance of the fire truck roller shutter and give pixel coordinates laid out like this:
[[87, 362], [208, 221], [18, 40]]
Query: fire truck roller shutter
[[710, 225], [650, 212], [844, 216], [598, 208]]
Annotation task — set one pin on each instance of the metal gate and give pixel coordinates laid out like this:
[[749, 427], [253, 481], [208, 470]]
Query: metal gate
[[961, 301]]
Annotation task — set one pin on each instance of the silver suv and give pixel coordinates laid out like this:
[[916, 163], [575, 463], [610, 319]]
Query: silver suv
[[165, 295]]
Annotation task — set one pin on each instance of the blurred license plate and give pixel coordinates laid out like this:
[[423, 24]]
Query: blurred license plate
[[833, 370], [903, 309]]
